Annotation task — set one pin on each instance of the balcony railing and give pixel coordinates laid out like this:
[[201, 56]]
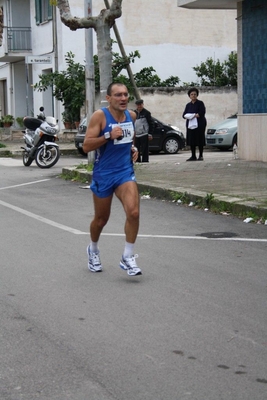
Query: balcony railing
[[19, 39]]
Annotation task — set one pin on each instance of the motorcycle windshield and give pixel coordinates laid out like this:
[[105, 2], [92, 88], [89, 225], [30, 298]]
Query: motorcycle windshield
[[51, 121]]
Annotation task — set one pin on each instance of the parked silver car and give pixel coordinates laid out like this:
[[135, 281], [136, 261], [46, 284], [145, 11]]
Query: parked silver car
[[224, 134]]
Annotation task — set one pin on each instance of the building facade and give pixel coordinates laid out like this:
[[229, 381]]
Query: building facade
[[34, 41]]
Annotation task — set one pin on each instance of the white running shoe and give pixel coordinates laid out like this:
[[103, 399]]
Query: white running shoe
[[94, 263], [129, 265]]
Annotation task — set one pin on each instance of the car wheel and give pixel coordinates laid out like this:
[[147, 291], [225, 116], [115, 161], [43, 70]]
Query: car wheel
[[82, 153], [171, 145]]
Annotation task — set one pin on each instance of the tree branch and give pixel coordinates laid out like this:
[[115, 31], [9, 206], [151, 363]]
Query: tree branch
[[75, 23]]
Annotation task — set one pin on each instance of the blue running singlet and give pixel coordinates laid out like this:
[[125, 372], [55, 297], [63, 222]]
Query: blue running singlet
[[113, 164]]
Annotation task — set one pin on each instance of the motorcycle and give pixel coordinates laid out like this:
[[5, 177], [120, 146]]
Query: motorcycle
[[39, 137]]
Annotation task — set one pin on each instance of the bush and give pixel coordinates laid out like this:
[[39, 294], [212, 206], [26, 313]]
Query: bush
[[216, 73]]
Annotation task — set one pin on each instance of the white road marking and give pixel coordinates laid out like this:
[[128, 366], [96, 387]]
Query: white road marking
[[78, 232], [24, 184], [42, 219], [232, 239]]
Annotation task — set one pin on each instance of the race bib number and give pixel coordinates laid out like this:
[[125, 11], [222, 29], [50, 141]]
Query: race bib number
[[128, 132]]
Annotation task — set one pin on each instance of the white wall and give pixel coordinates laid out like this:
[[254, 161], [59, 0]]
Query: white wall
[[252, 138], [169, 38], [172, 39]]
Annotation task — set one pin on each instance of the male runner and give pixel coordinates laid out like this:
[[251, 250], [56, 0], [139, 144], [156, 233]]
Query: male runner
[[111, 133]]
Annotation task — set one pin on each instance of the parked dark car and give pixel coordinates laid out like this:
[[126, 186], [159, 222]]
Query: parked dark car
[[167, 138]]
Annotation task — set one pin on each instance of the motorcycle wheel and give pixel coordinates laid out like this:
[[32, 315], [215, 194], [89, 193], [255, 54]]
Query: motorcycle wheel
[[48, 159], [27, 160]]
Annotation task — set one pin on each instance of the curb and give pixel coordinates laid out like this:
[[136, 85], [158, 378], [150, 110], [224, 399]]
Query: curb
[[231, 205], [4, 152]]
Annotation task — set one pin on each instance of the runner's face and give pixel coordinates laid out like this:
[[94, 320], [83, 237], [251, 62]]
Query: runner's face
[[118, 100]]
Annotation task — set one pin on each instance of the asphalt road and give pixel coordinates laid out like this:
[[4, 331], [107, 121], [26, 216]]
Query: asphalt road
[[193, 326]]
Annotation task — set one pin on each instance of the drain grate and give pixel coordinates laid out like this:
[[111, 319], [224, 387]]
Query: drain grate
[[217, 235]]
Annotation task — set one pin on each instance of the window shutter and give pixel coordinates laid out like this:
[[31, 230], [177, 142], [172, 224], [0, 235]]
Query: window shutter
[[37, 12], [50, 11]]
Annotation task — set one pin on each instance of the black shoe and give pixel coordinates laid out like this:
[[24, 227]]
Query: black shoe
[[200, 158], [192, 159]]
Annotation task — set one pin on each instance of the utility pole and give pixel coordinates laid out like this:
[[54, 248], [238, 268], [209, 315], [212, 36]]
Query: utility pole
[[129, 70], [89, 71], [55, 50]]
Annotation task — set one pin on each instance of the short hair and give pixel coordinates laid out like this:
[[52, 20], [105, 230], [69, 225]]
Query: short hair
[[139, 102], [193, 89], [110, 86]]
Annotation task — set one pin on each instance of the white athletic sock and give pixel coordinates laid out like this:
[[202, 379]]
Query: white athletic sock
[[128, 250], [94, 247]]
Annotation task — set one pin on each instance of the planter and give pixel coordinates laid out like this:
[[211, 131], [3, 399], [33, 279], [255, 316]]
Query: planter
[[68, 125], [7, 120]]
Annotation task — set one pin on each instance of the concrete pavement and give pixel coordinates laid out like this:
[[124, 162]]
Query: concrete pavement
[[219, 183]]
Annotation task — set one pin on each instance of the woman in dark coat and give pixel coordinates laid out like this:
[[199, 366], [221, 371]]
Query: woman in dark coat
[[194, 114]]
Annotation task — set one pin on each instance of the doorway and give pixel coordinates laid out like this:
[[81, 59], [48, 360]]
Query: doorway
[[3, 97]]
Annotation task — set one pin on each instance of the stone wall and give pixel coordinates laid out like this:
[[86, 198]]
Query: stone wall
[[167, 104], [11, 134]]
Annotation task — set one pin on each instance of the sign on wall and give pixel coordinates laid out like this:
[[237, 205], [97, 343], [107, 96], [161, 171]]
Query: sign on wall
[[38, 59]]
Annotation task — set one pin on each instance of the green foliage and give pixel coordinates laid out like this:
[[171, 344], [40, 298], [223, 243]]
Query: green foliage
[[190, 84], [88, 167], [231, 69], [147, 78], [183, 197], [145, 193], [8, 119], [252, 214], [170, 82], [68, 86], [209, 198], [97, 73], [216, 73], [19, 120], [210, 72], [119, 63]]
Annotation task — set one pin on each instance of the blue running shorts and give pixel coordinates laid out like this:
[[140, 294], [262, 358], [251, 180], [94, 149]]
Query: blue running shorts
[[105, 186]]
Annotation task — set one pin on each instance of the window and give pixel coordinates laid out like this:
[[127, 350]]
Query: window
[[43, 11], [1, 25]]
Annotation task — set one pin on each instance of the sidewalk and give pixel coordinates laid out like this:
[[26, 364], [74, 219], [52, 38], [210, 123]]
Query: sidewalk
[[234, 186]]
